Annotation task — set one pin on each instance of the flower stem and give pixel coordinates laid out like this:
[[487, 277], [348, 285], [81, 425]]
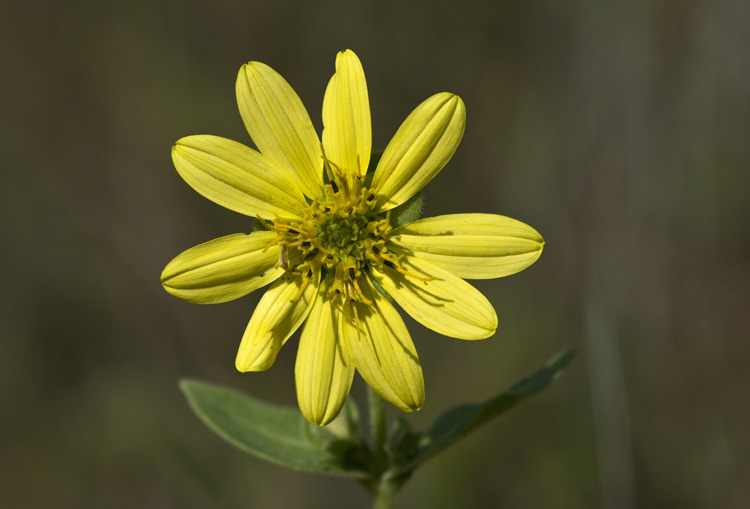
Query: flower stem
[[384, 495], [377, 426], [383, 489]]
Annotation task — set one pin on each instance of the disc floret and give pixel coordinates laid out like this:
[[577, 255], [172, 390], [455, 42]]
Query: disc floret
[[339, 237]]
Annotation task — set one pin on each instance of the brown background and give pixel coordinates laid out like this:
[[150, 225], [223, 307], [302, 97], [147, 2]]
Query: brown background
[[618, 129]]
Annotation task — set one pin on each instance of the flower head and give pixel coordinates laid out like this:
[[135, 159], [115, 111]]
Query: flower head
[[328, 248]]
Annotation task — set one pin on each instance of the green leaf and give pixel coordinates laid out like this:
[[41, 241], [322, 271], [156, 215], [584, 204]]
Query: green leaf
[[463, 419], [277, 434]]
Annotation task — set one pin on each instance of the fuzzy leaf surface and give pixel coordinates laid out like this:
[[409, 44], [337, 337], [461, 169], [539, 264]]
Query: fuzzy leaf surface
[[277, 434]]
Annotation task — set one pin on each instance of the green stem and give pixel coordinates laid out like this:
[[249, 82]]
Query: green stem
[[383, 489], [377, 426], [384, 495]]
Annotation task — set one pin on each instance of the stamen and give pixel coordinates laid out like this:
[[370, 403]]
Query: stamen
[[365, 300], [336, 306], [274, 241], [326, 163], [303, 287], [341, 233], [266, 225], [335, 166], [356, 188]]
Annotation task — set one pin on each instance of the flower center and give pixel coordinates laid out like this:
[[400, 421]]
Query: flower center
[[340, 236], [344, 235]]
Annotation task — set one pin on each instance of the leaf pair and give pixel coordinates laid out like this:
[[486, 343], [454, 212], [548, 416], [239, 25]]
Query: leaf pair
[[282, 435]]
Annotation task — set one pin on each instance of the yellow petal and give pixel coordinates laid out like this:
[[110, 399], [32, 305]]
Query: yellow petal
[[279, 125], [347, 134], [323, 374], [379, 344], [278, 315], [472, 246], [237, 177], [447, 304], [223, 269], [420, 148], [330, 143]]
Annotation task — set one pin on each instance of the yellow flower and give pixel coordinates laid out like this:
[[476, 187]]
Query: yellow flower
[[328, 238]]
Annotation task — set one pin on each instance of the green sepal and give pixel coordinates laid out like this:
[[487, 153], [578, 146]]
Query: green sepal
[[403, 442], [459, 421], [374, 160], [377, 286], [407, 212], [258, 226], [277, 434]]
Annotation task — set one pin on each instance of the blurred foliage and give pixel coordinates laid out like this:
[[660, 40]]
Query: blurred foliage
[[618, 129]]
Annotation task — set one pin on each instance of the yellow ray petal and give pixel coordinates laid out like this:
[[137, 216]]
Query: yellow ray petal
[[323, 374], [237, 177], [472, 246], [420, 148], [381, 348], [279, 124], [447, 304], [278, 315], [223, 269], [329, 136], [347, 133]]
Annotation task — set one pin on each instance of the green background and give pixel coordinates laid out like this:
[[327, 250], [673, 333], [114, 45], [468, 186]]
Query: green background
[[619, 129]]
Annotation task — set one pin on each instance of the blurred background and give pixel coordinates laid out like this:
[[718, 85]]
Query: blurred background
[[620, 130]]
